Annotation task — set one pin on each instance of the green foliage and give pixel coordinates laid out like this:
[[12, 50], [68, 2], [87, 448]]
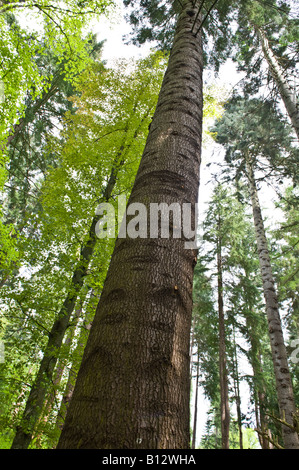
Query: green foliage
[[287, 268], [19, 72], [275, 21], [62, 33], [211, 439], [287, 273], [205, 330]]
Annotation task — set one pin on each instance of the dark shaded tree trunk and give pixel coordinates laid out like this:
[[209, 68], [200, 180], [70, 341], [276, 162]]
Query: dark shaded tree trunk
[[133, 385], [284, 386], [58, 373], [224, 403]]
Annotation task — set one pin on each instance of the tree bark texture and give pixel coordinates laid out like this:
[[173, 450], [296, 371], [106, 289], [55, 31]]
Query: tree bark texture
[[287, 94], [284, 386], [133, 386]]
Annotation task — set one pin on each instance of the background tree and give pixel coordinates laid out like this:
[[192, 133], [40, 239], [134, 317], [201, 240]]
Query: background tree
[[204, 334], [158, 349], [116, 127], [245, 325], [286, 273]]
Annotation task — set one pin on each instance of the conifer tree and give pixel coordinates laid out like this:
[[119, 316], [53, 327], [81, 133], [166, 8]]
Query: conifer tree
[[248, 142]]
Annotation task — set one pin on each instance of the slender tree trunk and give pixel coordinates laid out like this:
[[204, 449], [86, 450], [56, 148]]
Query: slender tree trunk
[[68, 392], [133, 385], [195, 405], [192, 342], [287, 94], [284, 386], [224, 403]]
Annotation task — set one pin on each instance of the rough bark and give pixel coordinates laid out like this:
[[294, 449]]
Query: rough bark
[[287, 94], [133, 385], [224, 402], [284, 386]]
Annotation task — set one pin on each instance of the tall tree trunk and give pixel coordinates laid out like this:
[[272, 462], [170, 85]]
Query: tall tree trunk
[[133, 385], [224, 403], [284, 386], [287, 94]]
